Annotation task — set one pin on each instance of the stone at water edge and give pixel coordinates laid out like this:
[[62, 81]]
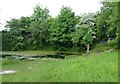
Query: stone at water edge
[[7, 72]]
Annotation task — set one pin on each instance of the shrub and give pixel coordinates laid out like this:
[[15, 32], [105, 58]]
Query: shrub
[[114, 43], [101, 47]]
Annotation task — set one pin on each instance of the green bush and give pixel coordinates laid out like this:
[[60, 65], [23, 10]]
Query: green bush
[[101, 47], [114, 43]]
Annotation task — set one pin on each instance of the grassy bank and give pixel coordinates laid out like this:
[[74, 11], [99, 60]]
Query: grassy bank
[[98, 67]]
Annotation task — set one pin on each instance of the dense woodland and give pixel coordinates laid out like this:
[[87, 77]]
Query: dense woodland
[[65, 31]]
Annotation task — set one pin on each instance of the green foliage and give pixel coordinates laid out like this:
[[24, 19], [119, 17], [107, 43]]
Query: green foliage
[[113, 20], [61, 28], [101, 23], [108, 22], [18, 32], [0, 41], [114, 24], [84, 33], [87, 39], [39, 27], [101, 47], [114, 43], [29, 31], [6, 40], [41, 31]]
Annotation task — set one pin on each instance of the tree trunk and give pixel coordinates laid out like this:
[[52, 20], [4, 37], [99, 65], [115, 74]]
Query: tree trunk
[[88, 49]]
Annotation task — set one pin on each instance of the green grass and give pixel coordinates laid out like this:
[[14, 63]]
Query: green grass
[[94, 68]]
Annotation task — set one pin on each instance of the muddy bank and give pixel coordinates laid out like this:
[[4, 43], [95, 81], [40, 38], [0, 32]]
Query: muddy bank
[[31, 57], [28, 56]]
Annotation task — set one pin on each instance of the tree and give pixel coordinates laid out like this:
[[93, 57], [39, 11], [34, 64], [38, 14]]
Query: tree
[[19, 32], [67, 30], [101, 22], [114, 24], [84, 33], [30, 30], [6, 40], [39, 26], [61, 28], [108, 22]]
